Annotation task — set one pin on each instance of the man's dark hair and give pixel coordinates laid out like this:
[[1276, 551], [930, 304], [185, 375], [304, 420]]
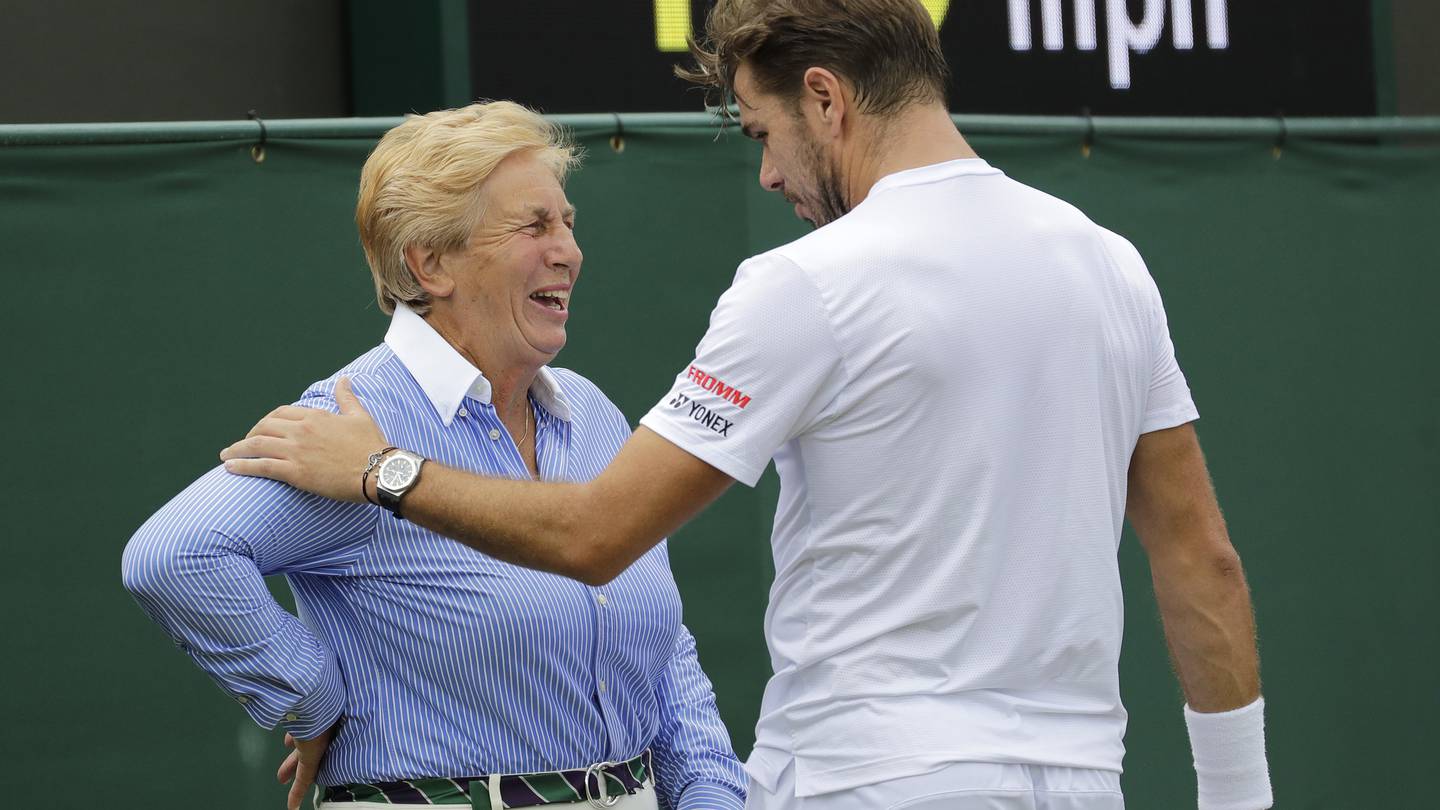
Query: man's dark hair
[[888, 50]]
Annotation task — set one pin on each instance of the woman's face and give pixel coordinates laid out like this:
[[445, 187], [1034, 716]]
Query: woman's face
[[514, 277]]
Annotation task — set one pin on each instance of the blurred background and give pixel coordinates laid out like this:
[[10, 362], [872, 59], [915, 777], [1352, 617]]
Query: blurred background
[[175, 269]]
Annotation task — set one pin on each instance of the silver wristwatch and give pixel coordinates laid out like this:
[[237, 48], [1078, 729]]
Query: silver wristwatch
[[395, 476]]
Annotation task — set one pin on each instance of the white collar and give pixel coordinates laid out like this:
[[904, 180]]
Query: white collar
[[447, 377], [933, 173]]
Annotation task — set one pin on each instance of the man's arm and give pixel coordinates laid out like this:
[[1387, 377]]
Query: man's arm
[[767, 370], [1199, 584], [1208, 619], [590, 531]]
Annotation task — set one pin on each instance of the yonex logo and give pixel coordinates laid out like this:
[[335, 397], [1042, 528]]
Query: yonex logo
[[719, 388], [702, 414]]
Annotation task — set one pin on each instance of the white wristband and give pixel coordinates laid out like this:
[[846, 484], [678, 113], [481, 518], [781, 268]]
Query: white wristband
[[1229, 750]]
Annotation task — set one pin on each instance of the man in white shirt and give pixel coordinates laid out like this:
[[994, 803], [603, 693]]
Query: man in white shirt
[[965, 386]]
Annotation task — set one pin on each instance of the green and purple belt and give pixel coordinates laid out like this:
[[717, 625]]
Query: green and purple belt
[[516, 790]]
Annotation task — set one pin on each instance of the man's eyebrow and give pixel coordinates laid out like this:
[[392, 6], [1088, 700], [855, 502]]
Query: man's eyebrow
[[745, 129]]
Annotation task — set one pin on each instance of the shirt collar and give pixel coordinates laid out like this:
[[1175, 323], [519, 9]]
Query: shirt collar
[[932, 173], [447, 378]]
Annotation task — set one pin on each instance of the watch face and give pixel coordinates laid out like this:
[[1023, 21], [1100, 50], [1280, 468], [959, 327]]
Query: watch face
[[397, 472]]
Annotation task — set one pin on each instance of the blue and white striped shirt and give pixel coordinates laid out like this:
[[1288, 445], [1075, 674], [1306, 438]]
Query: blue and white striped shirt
[[444, 662]]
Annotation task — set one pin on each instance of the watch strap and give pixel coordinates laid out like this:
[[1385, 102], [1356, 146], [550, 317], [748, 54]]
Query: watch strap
[[389, 500]]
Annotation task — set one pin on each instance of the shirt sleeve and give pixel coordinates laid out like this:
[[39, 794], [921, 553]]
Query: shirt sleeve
[[197, 567], [1167, 401], [695, 767], [767, 370]]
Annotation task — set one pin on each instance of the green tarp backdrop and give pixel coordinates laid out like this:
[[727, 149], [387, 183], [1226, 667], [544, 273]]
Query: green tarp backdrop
[[163, 291]]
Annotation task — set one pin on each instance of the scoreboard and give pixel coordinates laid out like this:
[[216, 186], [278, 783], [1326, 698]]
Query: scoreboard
[[1062, 57]]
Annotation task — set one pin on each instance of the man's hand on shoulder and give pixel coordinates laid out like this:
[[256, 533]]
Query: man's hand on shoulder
[[311, 449]]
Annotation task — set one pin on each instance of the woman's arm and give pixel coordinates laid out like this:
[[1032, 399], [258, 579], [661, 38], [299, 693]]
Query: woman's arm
[[197, 567], [695, 767]]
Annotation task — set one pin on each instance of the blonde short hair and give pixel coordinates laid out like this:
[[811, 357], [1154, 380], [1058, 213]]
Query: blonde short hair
[[421, 185]]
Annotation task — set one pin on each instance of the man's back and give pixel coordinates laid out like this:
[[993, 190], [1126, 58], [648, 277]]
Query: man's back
[[957, 374]]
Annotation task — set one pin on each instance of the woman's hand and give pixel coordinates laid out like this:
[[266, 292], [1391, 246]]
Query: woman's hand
[[303, 764]]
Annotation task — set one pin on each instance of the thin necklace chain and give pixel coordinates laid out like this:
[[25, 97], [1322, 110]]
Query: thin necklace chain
[[529, 416]]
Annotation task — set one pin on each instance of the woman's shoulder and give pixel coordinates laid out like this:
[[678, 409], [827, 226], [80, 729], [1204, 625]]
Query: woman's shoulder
[[585, 400], [371, 376]]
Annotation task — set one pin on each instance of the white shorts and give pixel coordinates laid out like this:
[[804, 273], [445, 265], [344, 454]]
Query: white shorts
[[959, 786]]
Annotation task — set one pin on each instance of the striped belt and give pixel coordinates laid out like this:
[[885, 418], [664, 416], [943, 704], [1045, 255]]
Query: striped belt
[[601, 784]]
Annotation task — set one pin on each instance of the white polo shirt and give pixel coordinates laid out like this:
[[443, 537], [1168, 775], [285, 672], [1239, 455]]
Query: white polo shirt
[[950, 380]]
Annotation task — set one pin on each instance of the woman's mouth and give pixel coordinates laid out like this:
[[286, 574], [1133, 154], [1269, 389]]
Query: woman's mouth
[[553, 300]]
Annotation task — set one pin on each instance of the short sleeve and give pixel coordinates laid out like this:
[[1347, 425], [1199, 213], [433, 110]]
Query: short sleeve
[[1167, 399], [1168, 403], [767, 370]]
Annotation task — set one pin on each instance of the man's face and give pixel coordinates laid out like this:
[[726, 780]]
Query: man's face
[[514, 276], [793, 161]]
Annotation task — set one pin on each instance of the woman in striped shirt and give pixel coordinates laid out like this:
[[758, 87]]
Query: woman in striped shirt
[[421, 671]]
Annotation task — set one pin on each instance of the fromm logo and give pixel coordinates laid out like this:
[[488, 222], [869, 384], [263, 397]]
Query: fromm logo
[[720, 389]]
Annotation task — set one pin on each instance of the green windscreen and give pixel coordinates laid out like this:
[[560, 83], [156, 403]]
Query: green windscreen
[[160, 297]]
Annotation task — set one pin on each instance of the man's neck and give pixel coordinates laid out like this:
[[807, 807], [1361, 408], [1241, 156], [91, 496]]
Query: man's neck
[[919, 136]]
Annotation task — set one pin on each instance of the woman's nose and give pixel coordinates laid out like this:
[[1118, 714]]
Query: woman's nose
[[565, 253]]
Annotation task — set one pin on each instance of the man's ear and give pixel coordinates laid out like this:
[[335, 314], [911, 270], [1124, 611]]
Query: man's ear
[[425, 266], [828, 97]]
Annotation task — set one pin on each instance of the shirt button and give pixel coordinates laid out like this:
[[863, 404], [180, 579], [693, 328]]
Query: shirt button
[[462, 413], [602, 687], [292, 716], [494, 433], [601, 599], [242, 699]]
